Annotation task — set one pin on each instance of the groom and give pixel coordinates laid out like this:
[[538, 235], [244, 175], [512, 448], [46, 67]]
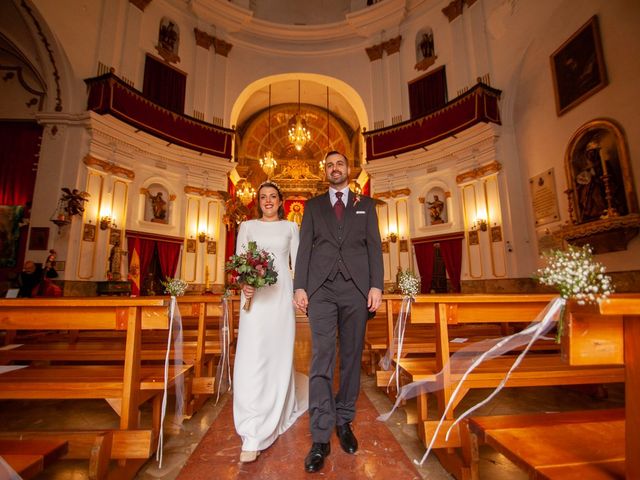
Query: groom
[[338, 282]]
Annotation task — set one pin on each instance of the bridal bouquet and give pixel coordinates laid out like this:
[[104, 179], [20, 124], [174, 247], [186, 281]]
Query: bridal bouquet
[[253, 267]]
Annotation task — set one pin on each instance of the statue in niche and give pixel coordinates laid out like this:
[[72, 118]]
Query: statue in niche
[[426, 45], [168, 37], [157, 205], [436, 209]]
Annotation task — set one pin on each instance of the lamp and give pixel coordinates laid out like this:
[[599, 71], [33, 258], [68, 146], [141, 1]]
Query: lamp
[[202, 236], [105, 222], [246, 193], [299, 134], [393, 236], [268, 163], [480, 224]]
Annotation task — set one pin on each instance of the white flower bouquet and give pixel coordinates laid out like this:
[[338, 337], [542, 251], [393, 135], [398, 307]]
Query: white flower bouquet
[[576, 275], [174, 286], [408, 283]]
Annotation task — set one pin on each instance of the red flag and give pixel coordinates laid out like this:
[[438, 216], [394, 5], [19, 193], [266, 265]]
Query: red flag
[[134, 268]]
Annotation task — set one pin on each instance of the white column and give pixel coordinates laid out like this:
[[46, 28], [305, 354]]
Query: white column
[[130, 57], [112, 32], [377, 86], [393, 80]]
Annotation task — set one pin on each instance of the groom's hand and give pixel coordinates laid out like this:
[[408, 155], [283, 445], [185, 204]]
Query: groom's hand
[[375, 299], [300, 299]]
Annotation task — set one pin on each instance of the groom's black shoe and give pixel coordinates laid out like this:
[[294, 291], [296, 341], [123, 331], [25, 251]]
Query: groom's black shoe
[[314, 460], [348, 440]]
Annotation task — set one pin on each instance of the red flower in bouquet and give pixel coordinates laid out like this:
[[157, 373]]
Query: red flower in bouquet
[[253, 267]]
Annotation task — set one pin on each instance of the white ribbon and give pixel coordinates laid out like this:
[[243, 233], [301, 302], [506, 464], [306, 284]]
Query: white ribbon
[[468, 359], [174, 319], [398, 333], [223, 371]]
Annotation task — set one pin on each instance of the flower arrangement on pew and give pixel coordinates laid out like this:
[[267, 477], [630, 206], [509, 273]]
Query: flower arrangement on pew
[[175, 287], [252, 267], [576, 275], [409, 286]]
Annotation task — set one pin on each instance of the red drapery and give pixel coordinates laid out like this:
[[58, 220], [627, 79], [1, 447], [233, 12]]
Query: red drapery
[[428, 93], [424, 258], [146, 255], [168, 254], [451, 251], [164, 85]]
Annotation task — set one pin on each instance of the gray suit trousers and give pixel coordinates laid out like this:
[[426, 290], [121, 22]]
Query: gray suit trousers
[[337, 307]]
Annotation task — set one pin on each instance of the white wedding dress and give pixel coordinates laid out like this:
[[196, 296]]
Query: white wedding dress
[[268, 395]]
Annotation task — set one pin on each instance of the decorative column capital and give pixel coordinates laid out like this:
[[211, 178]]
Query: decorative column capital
[[221, 47], [375, 52], [203, 39], [141, 4], [392, 45]]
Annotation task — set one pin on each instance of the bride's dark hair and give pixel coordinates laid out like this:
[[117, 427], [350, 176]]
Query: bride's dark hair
[[277, 189]]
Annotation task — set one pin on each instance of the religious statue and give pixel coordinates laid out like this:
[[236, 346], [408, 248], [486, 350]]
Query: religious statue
[[295, 214], [168, 36], [74, 200], [426, 45], [115, 260], [435, 210], [159, 207]]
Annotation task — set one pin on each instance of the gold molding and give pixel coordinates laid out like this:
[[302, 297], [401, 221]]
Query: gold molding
[[476, 173], [203, 39], [221, 47], [392, 45], [393, 193], [374, 52], [109, 167], [203, 192]]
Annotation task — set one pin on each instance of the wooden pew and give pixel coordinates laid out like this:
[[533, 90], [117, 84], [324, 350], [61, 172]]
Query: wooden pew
[[560, 445], [28, 457], [125, 386], [537, 369]]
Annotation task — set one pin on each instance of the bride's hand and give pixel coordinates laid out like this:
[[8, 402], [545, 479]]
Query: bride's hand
[[248, 291]]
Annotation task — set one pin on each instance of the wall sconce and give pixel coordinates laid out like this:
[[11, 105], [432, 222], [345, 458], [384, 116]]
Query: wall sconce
[[202, 236], [393, 236], [480, 224], [105, 222]]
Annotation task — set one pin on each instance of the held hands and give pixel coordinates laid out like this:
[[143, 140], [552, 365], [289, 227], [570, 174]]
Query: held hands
[[375, 299], [248, 291], [300, 300]]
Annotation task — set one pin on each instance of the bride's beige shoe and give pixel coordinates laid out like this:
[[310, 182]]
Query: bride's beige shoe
[[248, 456]]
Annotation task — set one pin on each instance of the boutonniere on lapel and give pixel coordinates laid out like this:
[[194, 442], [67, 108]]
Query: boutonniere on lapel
[[356, 199]]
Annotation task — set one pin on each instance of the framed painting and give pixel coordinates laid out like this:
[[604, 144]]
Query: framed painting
[[211, 247], [39, 238], [191, 246], [578, 67], [88, 232]]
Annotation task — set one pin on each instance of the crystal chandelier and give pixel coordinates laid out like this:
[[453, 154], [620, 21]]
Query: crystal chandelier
[[299, 134], [268, 163], [246, 193]]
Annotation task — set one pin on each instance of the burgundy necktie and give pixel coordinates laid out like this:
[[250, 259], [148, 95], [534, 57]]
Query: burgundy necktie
[[338, 207]]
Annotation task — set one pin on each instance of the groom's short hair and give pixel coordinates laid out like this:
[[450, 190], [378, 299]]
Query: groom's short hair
[[336, 152]]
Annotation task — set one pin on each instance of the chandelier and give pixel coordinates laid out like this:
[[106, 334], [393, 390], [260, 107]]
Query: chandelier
[[299, 134], [268, 163], [246, 193]]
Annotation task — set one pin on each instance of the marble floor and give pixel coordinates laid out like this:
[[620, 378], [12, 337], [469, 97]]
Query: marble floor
[[399, 438]]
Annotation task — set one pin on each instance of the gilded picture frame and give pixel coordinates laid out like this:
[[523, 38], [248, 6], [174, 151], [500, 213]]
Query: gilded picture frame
[[578, 67]]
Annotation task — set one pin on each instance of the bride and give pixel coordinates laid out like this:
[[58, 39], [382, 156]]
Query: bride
[[268, 395]]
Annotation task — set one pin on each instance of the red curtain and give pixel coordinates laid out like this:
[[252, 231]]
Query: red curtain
[[18, 156], [428, 94], [164, 85], [451, 251], [168, 253], [424, 258], [146, 255]]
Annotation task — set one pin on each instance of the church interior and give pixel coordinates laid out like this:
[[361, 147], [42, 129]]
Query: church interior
[[135, 136]]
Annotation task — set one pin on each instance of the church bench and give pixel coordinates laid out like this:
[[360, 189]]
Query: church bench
[[28, 457], [125, 386], [539, 368], [200, 348], [577, 445]]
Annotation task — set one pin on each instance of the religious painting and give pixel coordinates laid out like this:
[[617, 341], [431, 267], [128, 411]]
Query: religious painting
[[474, 237], [404, 245], [88, 232], [385, 247], [599, 173], [496, 233], [39, 238], [191, 245], [59, 265], [10, 217], [294, 211], [578, 67], [114, 236], [211, 247]]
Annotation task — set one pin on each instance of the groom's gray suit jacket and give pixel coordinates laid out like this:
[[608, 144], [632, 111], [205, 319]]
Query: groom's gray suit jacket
[[325, 248]]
